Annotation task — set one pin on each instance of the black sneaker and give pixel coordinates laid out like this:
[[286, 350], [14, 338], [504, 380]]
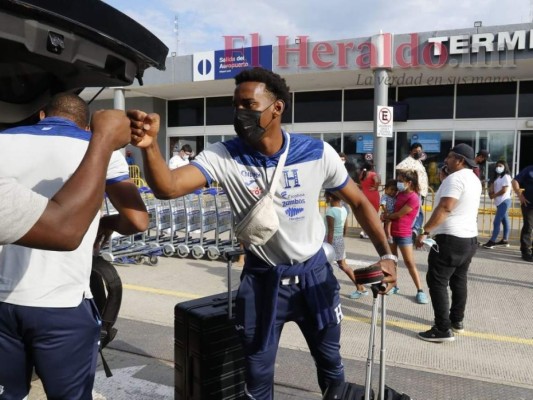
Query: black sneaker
[[527, 257], [489, 245], [503, 243], [436, 335], [458, 327]]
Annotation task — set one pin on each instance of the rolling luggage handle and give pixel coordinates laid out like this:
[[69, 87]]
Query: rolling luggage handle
[[385, 392], [230, 256], [372, 345]]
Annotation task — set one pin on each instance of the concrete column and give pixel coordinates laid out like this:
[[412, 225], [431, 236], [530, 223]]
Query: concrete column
[[119, 99], [381, 63], [381, 98]]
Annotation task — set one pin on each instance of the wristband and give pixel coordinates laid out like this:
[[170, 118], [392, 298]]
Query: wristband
[[389, 257]]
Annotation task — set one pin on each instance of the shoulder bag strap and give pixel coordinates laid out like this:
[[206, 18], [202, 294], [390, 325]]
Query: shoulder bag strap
[[279, 167]]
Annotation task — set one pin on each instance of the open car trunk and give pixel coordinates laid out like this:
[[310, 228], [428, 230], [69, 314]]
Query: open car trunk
[[50, 46]]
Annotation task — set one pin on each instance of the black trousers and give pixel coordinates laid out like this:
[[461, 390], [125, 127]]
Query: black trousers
[[525, 233], [449, 267]]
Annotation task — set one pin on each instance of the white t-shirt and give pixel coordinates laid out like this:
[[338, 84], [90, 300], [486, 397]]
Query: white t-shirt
[[177, 161], [20, 208], [42, 157], [245, 174], [464, 186], [499, 183]]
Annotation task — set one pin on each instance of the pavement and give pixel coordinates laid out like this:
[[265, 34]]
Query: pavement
[[492, 360]]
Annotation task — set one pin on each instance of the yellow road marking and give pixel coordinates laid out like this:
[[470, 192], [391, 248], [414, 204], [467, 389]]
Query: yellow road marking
[[420, 327], [400, 324], [160, 291]]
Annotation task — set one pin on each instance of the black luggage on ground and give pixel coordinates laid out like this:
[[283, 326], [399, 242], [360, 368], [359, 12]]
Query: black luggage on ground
[[345, 391], [208, 356], [352, 391]]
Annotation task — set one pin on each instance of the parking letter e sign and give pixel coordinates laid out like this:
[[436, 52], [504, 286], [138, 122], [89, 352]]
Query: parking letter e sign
[[384, 123]]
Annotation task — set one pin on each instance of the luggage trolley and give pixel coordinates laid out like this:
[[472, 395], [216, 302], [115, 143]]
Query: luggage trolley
[[224, 224], [156, 235], [192, 209], [208, 223], [134, 248], [177, 222]]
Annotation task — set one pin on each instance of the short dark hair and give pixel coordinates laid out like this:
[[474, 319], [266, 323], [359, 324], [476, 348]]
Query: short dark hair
[[274, 83], [70, 106], [416, 145], [187, 148], [331, 195], [391, 183]]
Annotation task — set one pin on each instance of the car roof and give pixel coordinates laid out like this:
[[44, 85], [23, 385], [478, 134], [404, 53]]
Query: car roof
[[51, 46]]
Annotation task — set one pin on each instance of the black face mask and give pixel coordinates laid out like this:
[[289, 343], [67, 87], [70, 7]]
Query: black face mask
[[247, 124], [417, 156]]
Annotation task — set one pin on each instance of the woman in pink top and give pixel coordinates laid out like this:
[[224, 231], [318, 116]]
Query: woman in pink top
[[405, 211], [369, 181]]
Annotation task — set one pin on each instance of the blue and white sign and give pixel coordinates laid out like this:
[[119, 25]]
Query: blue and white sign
[[430, 141], [229, 63], [225, 64], [203, 66], [365, 143]]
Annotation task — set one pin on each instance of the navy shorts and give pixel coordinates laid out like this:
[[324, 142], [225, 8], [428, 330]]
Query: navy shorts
[[60, 343]]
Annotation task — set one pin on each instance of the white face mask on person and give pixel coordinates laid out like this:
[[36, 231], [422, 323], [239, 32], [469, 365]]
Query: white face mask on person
[[499, 170], [401, 186]]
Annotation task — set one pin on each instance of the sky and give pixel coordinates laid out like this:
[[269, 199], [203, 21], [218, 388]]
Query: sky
[[202, 24]]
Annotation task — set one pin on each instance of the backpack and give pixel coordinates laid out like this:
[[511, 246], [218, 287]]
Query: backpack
[[106, 288]]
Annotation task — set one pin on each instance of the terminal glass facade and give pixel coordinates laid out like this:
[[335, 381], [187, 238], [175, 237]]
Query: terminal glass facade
[[482, 115]]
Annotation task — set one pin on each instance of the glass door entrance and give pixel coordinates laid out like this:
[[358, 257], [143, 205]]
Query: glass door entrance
[[525, 155]]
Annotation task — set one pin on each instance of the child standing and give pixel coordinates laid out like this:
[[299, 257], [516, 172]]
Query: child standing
[[336, 216], [388, 199], [405, 211]]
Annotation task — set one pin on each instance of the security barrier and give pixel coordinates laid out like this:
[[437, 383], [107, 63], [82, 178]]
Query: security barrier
[[486, 213]]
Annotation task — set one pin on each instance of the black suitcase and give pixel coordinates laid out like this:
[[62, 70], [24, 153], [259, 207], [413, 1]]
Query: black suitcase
[[208, 356], [352, 391]]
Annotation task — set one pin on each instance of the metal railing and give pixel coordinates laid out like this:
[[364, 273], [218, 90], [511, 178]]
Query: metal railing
[[486, 213]]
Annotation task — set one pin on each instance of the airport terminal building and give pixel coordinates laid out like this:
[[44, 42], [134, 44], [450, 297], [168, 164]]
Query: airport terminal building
[[472, 85]]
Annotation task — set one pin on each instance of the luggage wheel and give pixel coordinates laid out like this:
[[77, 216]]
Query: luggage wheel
[[213, 253], [198, 251], [183, 251], [108, 257], [168, 250]]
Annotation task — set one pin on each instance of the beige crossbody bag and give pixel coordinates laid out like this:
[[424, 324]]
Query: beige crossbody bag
[[262, 221]]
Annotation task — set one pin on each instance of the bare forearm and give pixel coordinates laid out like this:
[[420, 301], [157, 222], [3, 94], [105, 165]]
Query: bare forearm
[[437, 218], [118, 223], [157, 173]]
